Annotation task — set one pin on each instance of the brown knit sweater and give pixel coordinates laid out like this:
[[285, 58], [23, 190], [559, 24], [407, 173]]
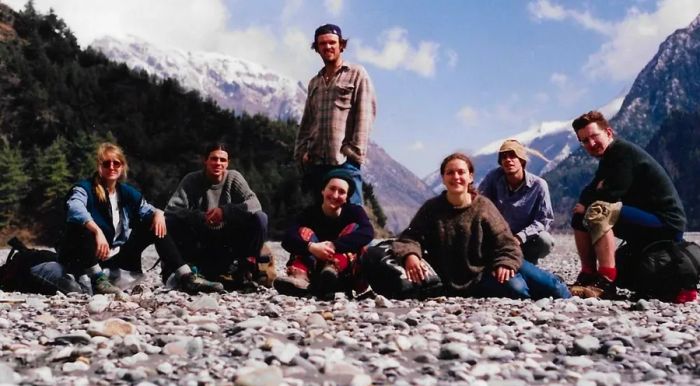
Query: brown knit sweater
[[461, 243]]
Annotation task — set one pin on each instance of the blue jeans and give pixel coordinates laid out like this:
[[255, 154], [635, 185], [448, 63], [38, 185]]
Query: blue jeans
[[529, 282], [51, 277], [313, 179]]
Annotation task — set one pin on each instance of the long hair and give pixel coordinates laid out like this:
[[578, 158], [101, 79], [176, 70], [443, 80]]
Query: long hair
[[103, 152], [470, 167]]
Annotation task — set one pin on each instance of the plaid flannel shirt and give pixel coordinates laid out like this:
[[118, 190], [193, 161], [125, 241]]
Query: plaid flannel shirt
[[337, 118]]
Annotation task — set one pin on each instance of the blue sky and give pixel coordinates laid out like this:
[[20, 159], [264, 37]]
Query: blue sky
[[449, 74]]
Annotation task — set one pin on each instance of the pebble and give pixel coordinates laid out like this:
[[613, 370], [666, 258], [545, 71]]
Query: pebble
[[164, 337]]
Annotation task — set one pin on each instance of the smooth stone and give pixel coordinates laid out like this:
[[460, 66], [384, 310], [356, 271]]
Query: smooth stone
[[341, 368], [111, 327], [8, 375], [483, 369], [457, 351], [70, 367], [425, 358], [361, 380], [601, 378], [194, 347], [254, 323], [285, 352], [578, 362], [41, 375], [35, 303], [45, 319], [316, 320], [382, 302], [586, 345], [204, 303], [165, 368], [98, 304], [266, 376]]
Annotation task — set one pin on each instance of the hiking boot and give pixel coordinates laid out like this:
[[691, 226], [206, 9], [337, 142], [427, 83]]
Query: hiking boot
[[328, 279], [585, 278], [601, 288], [296, 283], [102, 285], [194, 283]]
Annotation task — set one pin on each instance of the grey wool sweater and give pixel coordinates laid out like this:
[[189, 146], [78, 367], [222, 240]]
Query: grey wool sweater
[[461, 244], [191, 198]]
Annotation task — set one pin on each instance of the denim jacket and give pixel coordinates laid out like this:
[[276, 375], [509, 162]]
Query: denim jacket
[[82, 206]]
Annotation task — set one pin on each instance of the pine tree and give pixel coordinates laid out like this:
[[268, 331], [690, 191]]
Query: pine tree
[[13, 183], [51, 175]]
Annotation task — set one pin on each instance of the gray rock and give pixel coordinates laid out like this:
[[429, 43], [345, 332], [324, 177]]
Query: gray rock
[[266, 376], [586, 345]]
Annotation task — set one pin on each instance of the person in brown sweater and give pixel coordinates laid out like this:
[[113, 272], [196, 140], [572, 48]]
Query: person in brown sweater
[[467, 242]]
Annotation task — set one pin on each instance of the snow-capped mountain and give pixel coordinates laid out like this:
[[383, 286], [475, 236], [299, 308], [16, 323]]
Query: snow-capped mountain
[[235, 84], [243, 86], [554, 139]]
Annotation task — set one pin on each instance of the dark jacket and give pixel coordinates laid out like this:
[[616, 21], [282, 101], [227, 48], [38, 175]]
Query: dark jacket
[[629, 174]]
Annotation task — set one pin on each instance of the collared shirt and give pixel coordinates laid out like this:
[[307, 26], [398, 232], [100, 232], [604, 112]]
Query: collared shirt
[[527, 209], [338, 117]]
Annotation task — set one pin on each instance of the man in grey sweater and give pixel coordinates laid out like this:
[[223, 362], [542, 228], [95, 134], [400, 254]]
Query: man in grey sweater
[[216, 219]]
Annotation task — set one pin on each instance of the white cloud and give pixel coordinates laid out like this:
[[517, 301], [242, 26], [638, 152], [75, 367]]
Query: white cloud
[[334, 7], [468, 116], [452, 58], [546, 10], [417, 145], [558, 79], [631, 42], [568, 94], [398, 53], [637, 38], [291, 7]]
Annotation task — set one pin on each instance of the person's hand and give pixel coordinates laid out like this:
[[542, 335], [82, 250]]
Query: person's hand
[[323, 250], [520, 241], [579, 208], [305, 159], [158, 225], [415, 268], [503, 274], [214, 217], [102, 246]]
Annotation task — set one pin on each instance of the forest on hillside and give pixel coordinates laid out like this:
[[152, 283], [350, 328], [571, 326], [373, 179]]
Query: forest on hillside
[[57, 102]]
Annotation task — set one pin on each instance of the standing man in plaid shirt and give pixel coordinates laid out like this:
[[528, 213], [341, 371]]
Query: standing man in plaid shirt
[[338, 116]]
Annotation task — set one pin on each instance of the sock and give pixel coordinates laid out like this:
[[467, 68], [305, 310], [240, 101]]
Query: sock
[[609, 273], [686, 295], [94, 271], [183, 270], [341, 261]]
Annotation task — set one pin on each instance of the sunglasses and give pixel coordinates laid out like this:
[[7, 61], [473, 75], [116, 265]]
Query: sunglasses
[[111, 163]]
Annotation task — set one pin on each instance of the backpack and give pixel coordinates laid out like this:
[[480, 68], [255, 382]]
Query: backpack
[[15, 273], [387, 276], [661, 268]]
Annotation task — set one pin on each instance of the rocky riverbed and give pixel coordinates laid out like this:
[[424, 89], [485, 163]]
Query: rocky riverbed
[[164, 337]]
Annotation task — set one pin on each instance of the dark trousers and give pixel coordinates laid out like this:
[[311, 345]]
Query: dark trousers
[[213, 251], [78, 250]]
